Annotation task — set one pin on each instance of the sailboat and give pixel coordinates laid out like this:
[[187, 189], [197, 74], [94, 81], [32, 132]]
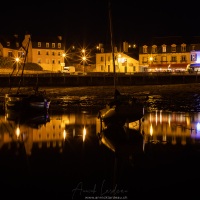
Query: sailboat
[[122, 108], [21, 101]]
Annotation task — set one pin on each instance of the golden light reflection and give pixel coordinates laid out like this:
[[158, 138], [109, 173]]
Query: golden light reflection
[[161, 116], [84, 133], [17, 132], [151, 130], [64, 134], [169, 120], [156, 118]]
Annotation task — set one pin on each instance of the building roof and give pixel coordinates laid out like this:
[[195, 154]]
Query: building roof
[[14, 40]]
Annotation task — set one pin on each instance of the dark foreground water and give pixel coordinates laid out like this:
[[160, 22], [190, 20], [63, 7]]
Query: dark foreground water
[[53, 156], [60, 156]]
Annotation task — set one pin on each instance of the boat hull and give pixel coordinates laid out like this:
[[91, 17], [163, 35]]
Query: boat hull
[[27, 102], [121, 113]]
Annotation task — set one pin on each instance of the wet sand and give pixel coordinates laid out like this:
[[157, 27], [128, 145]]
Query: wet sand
[[179, 97]]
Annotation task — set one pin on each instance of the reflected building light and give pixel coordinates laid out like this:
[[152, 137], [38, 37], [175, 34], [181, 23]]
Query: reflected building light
[[6, 116], [156, 117], [17, 132], [151, 130], [161, 116], [64, 134], [150, 118], [198, 126], [60, 144], [183, 140], [188, 121], [169, 120], [173, 140], [54, 143], [74, 132], [84, 133], [164, 138], [48, 144], [197, 133]]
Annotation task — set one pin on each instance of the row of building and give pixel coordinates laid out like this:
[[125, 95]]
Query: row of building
[[161, 54]]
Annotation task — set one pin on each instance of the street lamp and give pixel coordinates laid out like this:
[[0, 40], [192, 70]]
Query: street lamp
[[83, 59]]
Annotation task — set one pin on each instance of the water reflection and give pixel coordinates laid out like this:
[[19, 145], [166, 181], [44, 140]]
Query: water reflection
[[171, 127], [54, 130], [45, 129], [63, 151]]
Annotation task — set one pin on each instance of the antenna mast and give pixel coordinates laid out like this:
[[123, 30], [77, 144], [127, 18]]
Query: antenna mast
[[111, 38]]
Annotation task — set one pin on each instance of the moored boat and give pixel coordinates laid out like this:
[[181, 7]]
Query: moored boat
[[26, 101], [121, 110]]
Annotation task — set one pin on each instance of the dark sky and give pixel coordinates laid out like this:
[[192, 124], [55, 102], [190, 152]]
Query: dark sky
[[87, 21]]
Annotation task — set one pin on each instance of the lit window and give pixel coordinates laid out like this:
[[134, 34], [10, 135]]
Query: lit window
[[154, 49], [144, 49], [183, 48], [193, 57], [164, 48], [10, 54], [144, 60], [183, 58], [173, 48], [173, 59], [163, 59]]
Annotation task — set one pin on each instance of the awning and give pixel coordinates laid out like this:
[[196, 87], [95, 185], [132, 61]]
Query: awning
[[195, 65], [168, 66]]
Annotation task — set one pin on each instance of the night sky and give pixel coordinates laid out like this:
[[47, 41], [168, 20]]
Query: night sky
[[88, 21]]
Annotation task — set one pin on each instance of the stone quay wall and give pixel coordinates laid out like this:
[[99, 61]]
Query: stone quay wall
[[67, 80]]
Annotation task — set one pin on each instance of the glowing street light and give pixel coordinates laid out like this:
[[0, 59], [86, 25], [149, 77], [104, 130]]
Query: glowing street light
[[84, 59]]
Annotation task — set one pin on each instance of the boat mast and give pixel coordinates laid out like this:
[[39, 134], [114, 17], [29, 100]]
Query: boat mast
[[111, 38], [24, 63]]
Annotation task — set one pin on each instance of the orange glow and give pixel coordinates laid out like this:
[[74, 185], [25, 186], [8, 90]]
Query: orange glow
[[84, 133], [64, 134], [17, 132]]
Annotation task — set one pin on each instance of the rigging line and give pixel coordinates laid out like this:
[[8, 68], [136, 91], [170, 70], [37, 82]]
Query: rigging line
[[24, 64], [112, 45], [14, 68]]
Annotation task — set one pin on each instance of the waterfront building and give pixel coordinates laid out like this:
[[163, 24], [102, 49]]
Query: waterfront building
[[168, 54], [47, 52]]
